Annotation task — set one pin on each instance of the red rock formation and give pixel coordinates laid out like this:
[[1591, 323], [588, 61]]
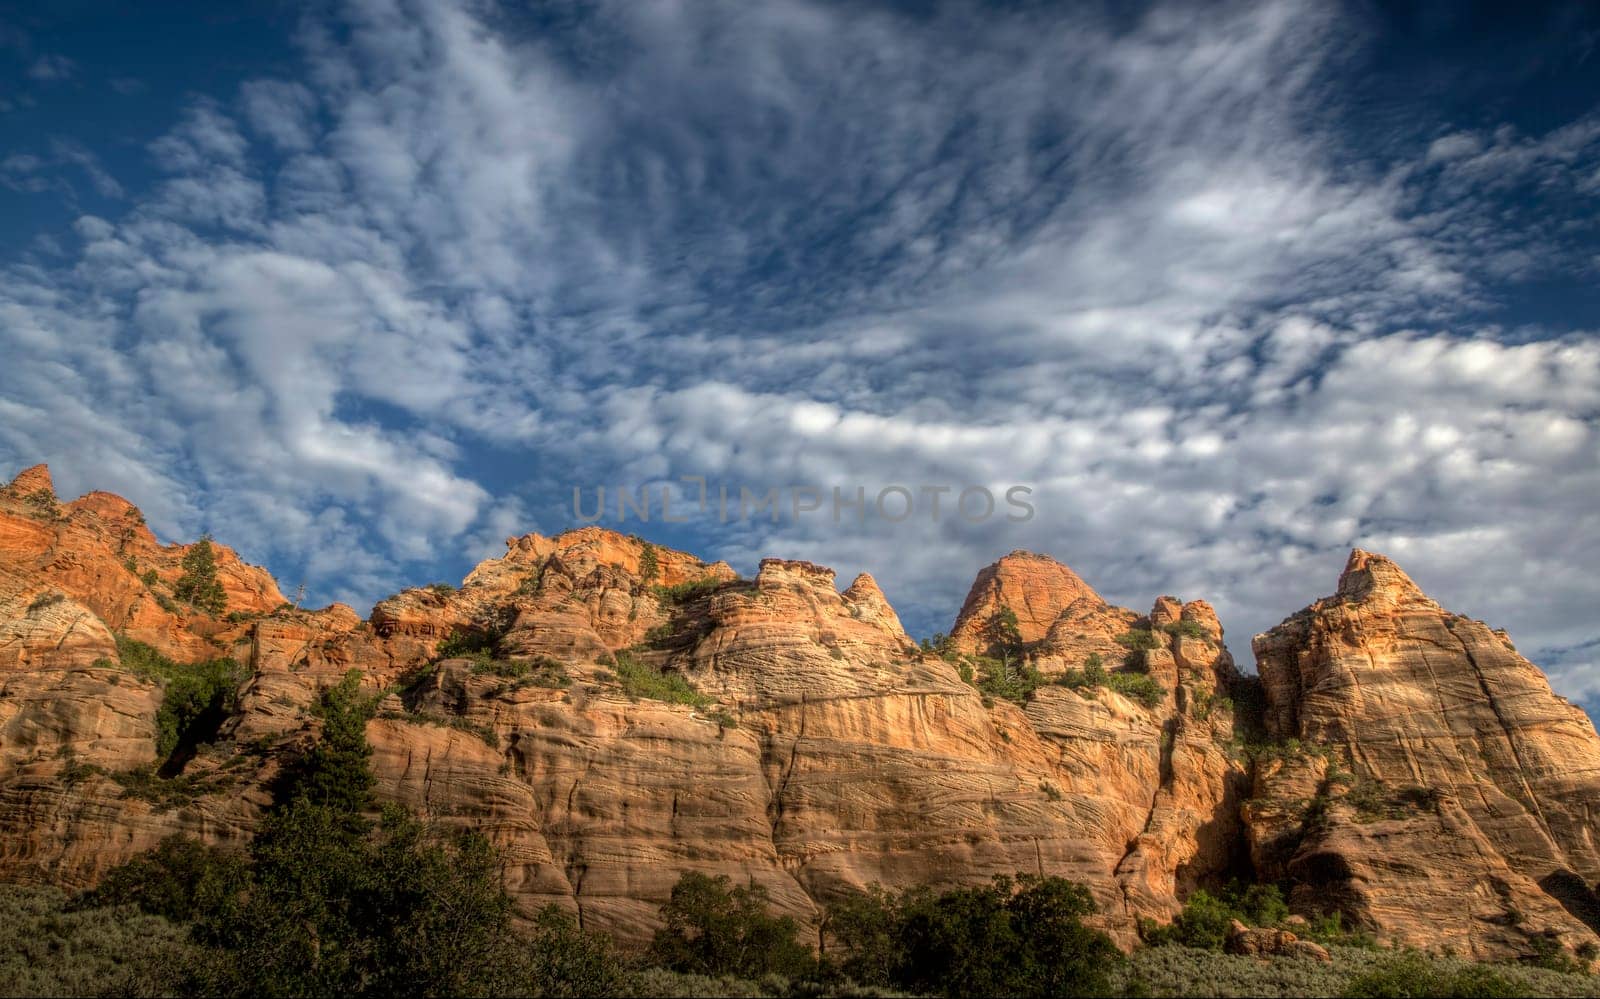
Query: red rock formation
[[1436, 788], [827, 751]]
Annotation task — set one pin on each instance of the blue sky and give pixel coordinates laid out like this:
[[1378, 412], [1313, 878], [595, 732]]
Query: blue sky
[[364, 288]]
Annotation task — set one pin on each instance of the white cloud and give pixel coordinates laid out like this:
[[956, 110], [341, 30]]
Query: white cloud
[[50, 67]]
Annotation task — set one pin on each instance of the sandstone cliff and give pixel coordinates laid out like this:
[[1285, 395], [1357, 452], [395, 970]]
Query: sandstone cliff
[[811, 745], [1427, 781]]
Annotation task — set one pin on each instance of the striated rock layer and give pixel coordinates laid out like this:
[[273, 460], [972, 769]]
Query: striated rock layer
[[1439, 790], [823, 749]]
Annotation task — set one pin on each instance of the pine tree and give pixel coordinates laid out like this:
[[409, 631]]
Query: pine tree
[[198, 586]]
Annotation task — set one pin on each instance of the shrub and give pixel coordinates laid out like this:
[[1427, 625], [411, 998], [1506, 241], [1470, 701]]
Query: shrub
[[1203, 924], [1138, 687], [1023, 938], [639, 679], [1139, 640], [1414, 975], [685, 592], [198, 586], [196, 697], [541, 672], [44, 504], [442, 589], [50, 948], [938, 643], [464, 644], [714, 928], [1012, 681], [1186, 628], [47, 599]]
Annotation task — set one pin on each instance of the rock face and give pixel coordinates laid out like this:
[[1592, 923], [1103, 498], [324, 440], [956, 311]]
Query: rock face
[[813, 746], [1438, 790]]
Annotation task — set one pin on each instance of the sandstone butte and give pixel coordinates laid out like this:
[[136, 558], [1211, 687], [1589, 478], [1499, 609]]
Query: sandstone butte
[[1393, 761]]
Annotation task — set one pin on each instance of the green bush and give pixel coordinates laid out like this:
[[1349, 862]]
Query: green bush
[[715, 928], [1012, 681], [1186, 628], [44, 504], [1139, 640], [543, 671], [685, 592], [1415, 975], [196, 697], [639, 679], [464, 644], [48, 948], [1020, 938], [198, 586], [327, 902], [1138, 687], [1203, 924]]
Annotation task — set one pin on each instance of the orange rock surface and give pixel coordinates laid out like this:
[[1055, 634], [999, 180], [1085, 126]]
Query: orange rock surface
[[823, 750]]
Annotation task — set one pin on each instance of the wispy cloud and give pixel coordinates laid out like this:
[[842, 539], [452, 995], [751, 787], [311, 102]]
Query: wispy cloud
[[51, 67], [397, 306]]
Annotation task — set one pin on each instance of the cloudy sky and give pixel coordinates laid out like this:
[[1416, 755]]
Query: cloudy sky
[[365, 290]]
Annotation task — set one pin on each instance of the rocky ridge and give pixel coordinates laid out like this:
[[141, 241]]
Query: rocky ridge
[[816, 747]]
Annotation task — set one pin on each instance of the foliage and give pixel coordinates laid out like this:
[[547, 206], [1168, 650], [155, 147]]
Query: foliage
[[196, 698], [44, 504], [181, 880], [715, 928], [1011, 681], [198, 586], [1022, 938], [166, 792], [938, 643], [1004, 635], [649, 563], [464, 644], [1139, 640], [1137, 686], [1186, 628], [640, 679], [335, 773], [685, 592], [328, 902], [47, 599], [1413, 974], [442, 589], [150, 578], [488, 735], [542, 671], [1204, 921], [50, 949]]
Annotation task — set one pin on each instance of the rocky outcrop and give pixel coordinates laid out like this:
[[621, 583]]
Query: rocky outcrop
[[1035, 588], [1428, 781], [1417, 773], [1267, 942]]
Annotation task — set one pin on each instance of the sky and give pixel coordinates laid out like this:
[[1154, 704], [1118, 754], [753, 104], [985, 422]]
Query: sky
[[365, 288]]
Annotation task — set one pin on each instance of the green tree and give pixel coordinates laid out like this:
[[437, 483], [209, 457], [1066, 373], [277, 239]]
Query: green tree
[[330, 903], [1024, 938], [336, 772], [864, 930], [198, 586], [714, 928]]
